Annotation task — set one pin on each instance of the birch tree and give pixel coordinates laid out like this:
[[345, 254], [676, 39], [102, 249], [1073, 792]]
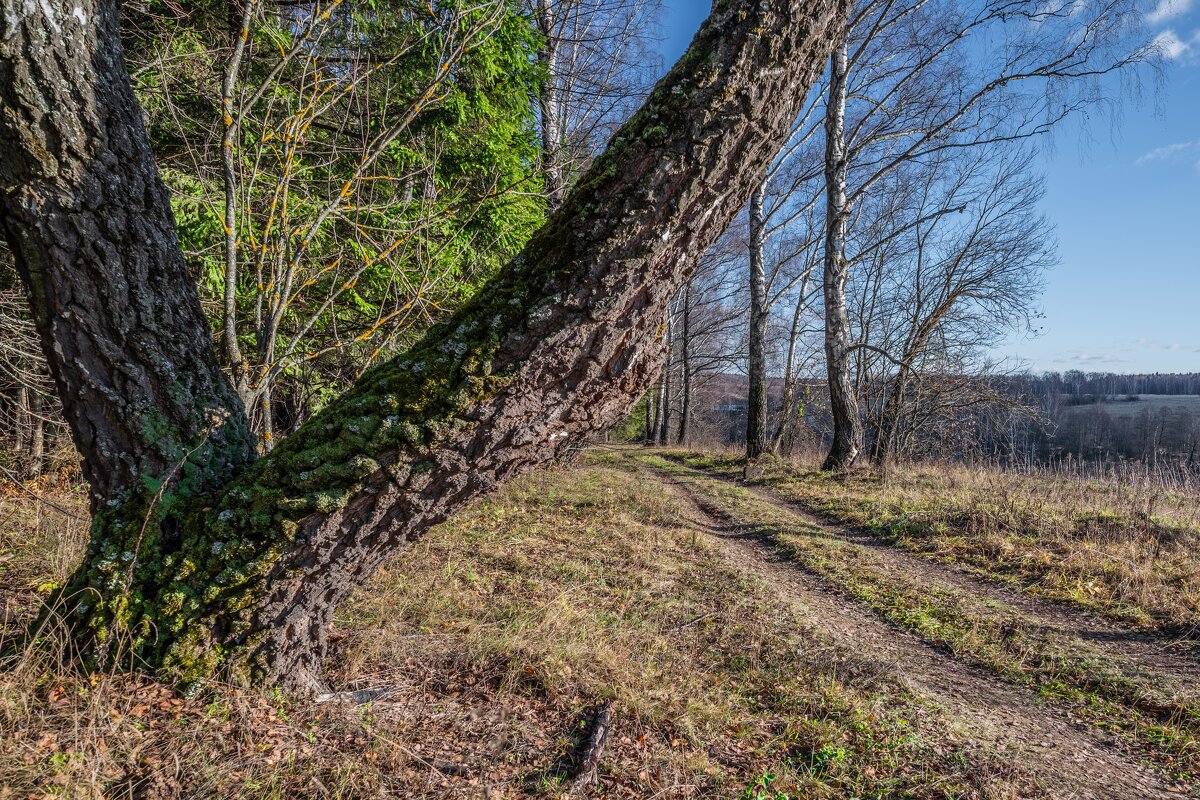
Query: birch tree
[[910, 80], [597, 59]]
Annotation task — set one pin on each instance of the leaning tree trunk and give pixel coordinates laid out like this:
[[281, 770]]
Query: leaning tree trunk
[[843, 401], [757, 443], [207, 566]]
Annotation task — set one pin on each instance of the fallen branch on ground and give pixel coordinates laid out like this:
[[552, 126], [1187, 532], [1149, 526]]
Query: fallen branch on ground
[[593, 751]]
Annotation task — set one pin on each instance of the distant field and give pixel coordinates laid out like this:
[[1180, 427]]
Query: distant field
[[1147, 402]]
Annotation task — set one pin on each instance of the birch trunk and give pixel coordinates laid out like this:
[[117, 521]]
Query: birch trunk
[[648, 433], [664, 427], [685, 367], [757, 443], [550, 105], [843, 399], [23, 422], [37, 438]]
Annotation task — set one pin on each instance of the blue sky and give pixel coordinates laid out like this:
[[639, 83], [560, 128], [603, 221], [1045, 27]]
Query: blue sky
[[1125, 197]]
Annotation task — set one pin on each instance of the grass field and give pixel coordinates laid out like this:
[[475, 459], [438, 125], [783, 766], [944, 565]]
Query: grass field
[[746, 651], [1129, 551], [1153, 403], [493, 636]]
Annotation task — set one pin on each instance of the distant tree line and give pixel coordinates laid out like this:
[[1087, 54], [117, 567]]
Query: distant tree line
[[1151, 419], [1021, 420], [1094, 387]]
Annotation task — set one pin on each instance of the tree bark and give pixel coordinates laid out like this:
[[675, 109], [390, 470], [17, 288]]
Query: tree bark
[[89, 222], [211, 567], [651, 416], [757, 443], [37, 438], [889, 420], [659, 392], [22, 425], [843, 399]]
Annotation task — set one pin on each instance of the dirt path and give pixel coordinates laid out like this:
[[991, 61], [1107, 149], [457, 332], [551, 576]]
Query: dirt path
[[1072, 763], [1172, 665]]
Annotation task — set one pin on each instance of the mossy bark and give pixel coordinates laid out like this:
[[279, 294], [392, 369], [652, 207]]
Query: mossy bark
[[242, 580]]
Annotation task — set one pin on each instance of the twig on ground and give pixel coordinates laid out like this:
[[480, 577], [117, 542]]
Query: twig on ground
[[358, 696], [694, 620], [594, 750], [15, 482]]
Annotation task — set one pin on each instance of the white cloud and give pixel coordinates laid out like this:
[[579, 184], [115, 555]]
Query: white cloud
[[1168, 9], [1094, 358], [1179, 152], [1169, 151], [1170, 46]]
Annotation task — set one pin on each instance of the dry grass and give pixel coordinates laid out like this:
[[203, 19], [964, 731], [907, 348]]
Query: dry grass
[[40, 543], [491, 637], [1159, 718], [1128, 548]]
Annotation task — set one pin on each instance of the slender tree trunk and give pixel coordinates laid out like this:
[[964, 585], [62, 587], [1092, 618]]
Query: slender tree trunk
[[266, 410], [757, 443], [664, 430], [789, 410], [240, 36], [889, 420], [550, 105], [648, 433], [685, 367], [22, 424], [843, 400], [659, 391], [37, 437], [210, 565]]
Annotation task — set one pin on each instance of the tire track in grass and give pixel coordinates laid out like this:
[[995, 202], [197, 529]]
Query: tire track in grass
[[1172, 675], [1010, 719]]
